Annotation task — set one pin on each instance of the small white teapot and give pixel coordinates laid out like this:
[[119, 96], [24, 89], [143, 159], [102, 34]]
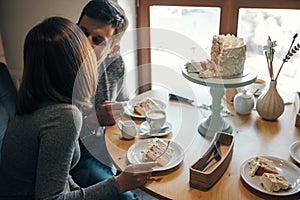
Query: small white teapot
[[128, 129], [243, 102]]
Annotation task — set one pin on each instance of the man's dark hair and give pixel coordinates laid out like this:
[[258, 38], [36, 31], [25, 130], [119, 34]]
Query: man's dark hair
[[106, 12]]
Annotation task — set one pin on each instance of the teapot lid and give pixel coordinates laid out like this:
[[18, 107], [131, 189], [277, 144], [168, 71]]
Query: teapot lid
[[245, 94]]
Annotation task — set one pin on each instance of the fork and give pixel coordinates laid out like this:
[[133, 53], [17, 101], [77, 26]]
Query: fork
[[189, 101], [224, 112], [166, 149], [217, 156]]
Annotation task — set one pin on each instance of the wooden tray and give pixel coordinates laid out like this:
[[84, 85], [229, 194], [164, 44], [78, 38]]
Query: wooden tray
[[204, 180]]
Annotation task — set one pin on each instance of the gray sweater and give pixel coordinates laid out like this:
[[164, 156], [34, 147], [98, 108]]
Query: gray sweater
[[111, 77], [38, 151]]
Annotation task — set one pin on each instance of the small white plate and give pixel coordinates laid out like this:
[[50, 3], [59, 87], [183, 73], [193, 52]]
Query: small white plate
[[144, 128], [128, 109], [295, 151], [135, 156], [289, 170]]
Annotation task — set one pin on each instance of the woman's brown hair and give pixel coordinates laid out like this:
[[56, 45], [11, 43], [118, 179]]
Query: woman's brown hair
[[59, 65]]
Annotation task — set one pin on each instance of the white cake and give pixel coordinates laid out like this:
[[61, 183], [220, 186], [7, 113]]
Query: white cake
[[141, 107], [274, 182], [228, 54], [259, 165], [157, 149]]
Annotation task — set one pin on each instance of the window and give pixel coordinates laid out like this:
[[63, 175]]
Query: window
[[254, 25], [218, 17], [195, 23]]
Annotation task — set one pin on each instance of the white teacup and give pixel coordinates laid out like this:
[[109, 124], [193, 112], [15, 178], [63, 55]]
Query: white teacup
[[257, 87], [128, 129], [156, 119]]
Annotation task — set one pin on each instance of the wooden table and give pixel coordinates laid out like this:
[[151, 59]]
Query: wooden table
[[252, 135]]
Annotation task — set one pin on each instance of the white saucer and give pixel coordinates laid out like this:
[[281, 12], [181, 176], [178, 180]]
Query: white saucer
[[295, 151], [144, 127]]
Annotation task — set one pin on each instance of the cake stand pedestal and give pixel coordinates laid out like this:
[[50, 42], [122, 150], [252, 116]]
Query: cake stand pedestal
[[215, 122]]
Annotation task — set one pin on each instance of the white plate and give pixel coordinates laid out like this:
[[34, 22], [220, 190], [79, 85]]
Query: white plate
[[289, 170], [128, 109], [134, 154], [144, 127], [295, 151]]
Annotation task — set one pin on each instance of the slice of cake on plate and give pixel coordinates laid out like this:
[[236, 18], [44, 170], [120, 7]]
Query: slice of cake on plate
[[141, 107], [274, 182], [259, 165], [158, 148]]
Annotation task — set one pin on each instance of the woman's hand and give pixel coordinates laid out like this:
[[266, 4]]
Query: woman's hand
[[108, 112], [135, 176]]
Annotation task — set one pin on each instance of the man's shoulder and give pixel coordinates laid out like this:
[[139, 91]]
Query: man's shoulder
[[117, 58], [114, 67]]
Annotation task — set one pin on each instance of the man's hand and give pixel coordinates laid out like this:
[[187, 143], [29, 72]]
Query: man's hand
[[108, 112]]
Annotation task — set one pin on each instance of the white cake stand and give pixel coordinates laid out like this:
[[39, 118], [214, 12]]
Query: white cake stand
[[215, 122]]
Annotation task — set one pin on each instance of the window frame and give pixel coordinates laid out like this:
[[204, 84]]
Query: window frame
[[228, 24]]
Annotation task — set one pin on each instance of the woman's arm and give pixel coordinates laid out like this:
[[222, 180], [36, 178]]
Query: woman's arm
[[58, 140]]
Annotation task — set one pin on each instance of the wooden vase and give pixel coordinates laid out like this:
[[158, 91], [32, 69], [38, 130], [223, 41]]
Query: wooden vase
[[270, 105]]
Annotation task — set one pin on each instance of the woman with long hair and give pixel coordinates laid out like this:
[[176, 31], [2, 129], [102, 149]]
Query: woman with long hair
[[40, 145]]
